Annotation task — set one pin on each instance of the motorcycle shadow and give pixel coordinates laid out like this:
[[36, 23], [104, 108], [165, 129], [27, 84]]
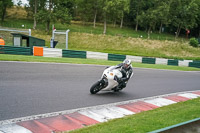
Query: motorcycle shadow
[[111, 93]]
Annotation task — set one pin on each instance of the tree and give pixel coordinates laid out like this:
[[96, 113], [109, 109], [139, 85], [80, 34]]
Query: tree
[[118, 8], [137, 9], [55, 10], [162, 13], [63, 11], [198, 20], [151, 18], [34, 17], [124, 6], [148, 20], [47, 11], [4, 4], [88, 10], [111, 8], [106, 5], [184, 14], [33, 8]]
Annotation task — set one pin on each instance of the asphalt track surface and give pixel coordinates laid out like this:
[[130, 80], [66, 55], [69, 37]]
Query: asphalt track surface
[[37, 88]]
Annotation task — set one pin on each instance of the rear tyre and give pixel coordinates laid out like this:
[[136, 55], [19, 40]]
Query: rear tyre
[[95, 88]]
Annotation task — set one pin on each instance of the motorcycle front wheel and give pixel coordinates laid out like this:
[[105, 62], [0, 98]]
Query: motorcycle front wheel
[[95, 88]]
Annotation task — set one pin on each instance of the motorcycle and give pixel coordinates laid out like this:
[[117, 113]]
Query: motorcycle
[[108, 81]]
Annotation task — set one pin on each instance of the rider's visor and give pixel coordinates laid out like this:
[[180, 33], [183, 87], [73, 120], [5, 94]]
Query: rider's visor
[[126, 65]]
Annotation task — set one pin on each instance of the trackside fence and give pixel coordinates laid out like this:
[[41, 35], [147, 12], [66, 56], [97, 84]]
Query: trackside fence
[[53, 52], [20, 31], [73, 54], [15, 50]]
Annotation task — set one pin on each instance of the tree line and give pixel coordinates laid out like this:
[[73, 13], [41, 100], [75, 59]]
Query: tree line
[[173, 16]]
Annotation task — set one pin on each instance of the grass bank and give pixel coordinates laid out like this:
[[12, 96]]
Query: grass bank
[[125, 45], [5, 57], [149, 120], [119, 45], [132, 46]]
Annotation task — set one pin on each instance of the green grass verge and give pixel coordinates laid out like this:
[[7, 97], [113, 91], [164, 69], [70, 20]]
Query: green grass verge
[[6, 57], [149, 120]]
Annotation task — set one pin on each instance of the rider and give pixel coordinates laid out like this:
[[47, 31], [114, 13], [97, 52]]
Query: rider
[[127, 70]]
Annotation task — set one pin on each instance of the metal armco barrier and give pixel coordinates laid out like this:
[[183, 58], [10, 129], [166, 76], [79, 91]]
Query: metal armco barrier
[[194, 64], [97, 55], [73, 54], [116, 57], [15, 50], [149, 60], [52, 52]]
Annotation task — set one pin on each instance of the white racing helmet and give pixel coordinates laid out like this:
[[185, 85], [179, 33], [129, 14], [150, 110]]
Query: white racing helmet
[[126, 63]]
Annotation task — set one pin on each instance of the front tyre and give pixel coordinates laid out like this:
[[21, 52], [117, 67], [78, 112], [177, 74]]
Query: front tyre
[[95, 88]]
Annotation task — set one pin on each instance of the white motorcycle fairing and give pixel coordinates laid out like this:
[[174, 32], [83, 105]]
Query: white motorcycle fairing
[[110, 74]]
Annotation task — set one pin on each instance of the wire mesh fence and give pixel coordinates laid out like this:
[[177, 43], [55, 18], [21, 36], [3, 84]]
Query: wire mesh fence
[[8, 37]]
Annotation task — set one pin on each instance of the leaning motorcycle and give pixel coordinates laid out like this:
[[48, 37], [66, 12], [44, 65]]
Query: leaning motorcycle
[[108, 81]]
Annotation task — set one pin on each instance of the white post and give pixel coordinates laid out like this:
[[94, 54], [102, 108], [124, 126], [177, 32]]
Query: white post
[[67, 39], [52, 39], [29, 32], [53, 32]]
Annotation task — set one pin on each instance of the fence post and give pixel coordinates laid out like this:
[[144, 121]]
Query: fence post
[[29, 32], [67, 39]]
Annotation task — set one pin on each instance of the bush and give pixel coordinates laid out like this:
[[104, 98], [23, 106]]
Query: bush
[[194, 42]]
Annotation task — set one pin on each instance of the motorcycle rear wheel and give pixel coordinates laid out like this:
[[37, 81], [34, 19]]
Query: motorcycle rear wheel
[[95, 88]]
